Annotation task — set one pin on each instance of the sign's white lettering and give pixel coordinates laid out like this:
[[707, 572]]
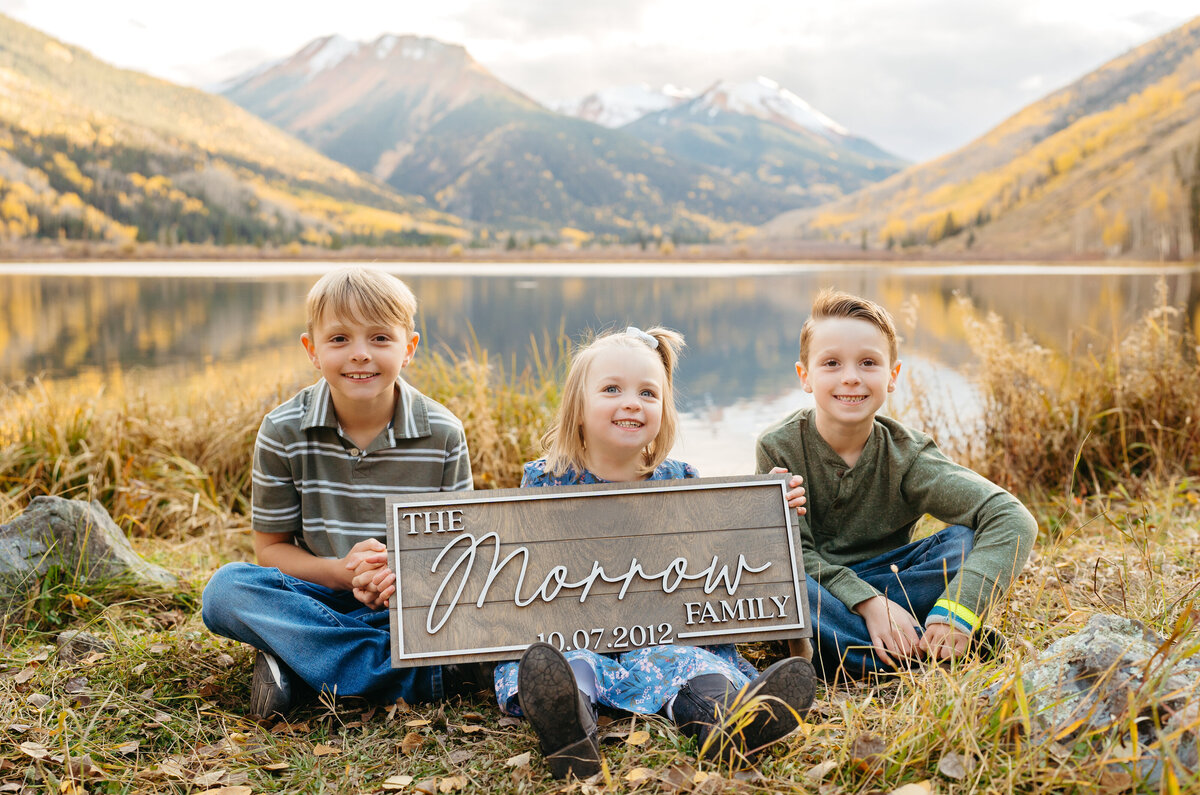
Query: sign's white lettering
[[753, 609], [714, 575]]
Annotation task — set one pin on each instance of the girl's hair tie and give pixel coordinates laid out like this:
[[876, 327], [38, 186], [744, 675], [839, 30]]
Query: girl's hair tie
[[634, 331]]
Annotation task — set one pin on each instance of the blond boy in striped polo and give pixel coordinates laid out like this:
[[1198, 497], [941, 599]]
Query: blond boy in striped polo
[[325, 462]]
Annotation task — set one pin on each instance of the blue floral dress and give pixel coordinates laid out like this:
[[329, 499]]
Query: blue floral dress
[[642, 680]]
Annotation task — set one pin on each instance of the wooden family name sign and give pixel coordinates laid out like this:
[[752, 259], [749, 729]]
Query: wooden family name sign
[[609, 567]]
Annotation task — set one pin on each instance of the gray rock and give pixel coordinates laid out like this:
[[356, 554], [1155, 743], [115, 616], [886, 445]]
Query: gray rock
[[1084, 685], [79, 539]]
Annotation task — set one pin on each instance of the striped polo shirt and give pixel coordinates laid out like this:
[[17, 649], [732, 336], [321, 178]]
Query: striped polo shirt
[[312, 481]]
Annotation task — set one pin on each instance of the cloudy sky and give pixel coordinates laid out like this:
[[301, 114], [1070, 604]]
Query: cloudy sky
[[918, 77]]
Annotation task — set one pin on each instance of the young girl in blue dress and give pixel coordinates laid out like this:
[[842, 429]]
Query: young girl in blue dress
[[617, 422]]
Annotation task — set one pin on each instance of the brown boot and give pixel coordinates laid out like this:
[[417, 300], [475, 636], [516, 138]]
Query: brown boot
[[561, 715]]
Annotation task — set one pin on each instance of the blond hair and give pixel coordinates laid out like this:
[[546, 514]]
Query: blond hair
[[365, 295], [831, 303], [564, 443]]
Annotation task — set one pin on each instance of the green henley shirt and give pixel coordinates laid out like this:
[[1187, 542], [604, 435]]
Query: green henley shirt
[[860, 512]]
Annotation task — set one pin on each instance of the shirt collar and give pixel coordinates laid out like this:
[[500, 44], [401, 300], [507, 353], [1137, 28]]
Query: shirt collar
[[411, 420]]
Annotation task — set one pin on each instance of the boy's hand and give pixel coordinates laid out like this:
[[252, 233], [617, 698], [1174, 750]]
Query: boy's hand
[[944, 642], [795, 495], [893, 630], [371, 581]]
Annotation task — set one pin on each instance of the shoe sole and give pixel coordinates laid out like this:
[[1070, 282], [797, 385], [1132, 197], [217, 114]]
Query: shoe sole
[[785, 692], [549, 697], [268, 696]]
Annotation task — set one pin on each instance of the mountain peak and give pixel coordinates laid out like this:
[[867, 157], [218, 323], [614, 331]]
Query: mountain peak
[[619, 105], [764, 98]]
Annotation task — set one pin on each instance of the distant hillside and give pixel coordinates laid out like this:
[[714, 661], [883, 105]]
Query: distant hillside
[[761, 130], [1108, 165], [88, 151], [427, 119]]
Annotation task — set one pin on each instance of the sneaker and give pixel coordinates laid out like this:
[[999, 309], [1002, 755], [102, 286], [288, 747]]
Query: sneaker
[[987, 643], [733, 727], [271, 687], [467, 679], [562, 717]]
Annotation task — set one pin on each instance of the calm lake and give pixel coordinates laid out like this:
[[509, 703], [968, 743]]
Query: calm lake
[[741, 321]]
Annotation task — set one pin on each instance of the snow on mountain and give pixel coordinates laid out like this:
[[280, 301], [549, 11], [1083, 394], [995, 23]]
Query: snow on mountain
[[329, 52], [620, 105], [764, 99]]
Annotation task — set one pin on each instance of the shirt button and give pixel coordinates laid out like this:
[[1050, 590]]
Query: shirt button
[[354, 451]]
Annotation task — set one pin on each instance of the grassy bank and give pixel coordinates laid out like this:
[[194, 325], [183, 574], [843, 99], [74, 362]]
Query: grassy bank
[[1100, 446]]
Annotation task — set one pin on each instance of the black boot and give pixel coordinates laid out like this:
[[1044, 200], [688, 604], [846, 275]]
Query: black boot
[[561, 715], [732, 727]]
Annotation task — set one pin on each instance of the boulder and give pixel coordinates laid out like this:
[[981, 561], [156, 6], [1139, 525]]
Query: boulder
[[1084, 686], [77, 539]]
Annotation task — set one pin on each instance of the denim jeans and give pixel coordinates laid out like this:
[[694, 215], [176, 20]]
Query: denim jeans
[[841, 644], [330, 639]]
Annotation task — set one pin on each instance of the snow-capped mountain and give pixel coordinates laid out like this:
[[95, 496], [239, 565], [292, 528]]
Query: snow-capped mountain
[[617, 106], [423, 114], [765, 99], [759, 129]]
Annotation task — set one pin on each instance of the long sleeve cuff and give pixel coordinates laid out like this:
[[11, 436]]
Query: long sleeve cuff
[[947, 612]]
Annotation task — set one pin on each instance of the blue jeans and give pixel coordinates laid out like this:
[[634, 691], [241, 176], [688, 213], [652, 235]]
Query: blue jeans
[[841, 644], [330, 639]]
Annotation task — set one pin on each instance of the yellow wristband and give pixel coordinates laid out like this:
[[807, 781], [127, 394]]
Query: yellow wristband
[[956, 612]]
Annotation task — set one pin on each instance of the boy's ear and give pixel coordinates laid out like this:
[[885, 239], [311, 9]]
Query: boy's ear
[[802, 371], [410, 350], [892, 380], [310, 349]]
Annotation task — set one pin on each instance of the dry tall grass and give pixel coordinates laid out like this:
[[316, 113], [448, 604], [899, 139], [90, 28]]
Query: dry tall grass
[[1105, 420], [169, 456]]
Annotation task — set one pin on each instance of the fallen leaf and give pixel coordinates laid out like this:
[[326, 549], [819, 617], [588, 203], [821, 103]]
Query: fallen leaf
[[867, 751], [639, 737], [416, 722], [956, 766], [139, 669], [43, 655], [321, 749], [18, 728], [397, 782], [24, 676], [452, 783], [426, 787], [472, 728], [508, 721], [39, 700], [639, 774], [457, 757], [159, 648], [520, 760], [275, 767], [209, 778], [411, 742], [818, 772], [920, 788], [229, 791], [36, 750], [74, 685], [128, 748]]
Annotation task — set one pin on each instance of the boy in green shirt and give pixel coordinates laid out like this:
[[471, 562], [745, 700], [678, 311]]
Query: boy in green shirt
[[876, 599]]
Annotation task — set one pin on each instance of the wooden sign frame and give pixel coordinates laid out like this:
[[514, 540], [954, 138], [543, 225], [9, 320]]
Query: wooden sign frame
[[611, 567]]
